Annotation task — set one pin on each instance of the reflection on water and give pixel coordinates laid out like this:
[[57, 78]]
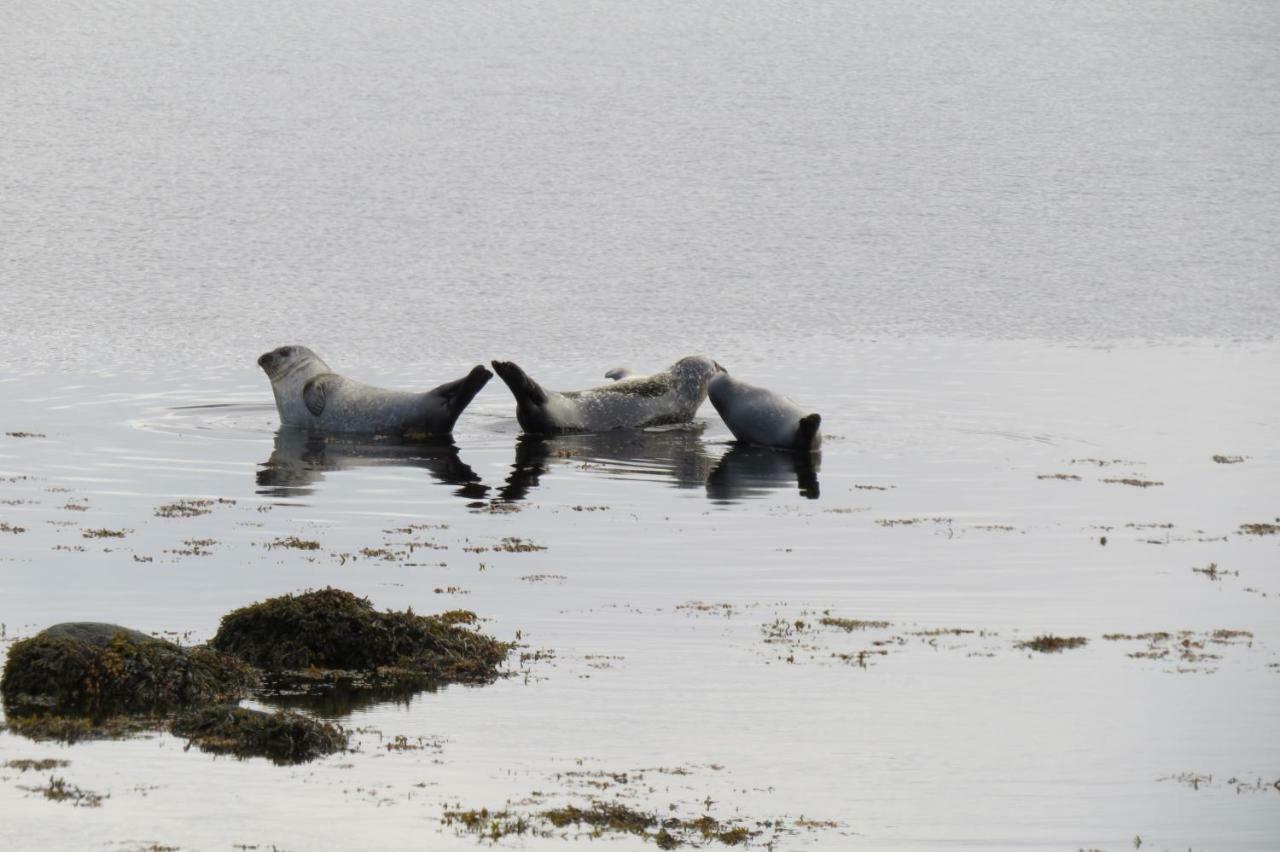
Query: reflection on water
[[677, 456], [341, 699], [301, 458], [745, 472]]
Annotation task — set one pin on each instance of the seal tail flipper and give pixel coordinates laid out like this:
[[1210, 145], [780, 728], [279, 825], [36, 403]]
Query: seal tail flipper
[[619, 373], [459, 393], [524, 389], [808, 437]]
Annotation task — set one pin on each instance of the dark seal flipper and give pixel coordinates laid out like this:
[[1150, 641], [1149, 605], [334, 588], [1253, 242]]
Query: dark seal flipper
[[523, 388], [530, 398], [458, 394], [807, 433]]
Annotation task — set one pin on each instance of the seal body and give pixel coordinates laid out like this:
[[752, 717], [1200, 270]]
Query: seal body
[[671, 396], [312, 396], [758, 416]]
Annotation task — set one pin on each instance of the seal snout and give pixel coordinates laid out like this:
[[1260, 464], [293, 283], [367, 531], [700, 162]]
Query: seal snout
[[264, 359]]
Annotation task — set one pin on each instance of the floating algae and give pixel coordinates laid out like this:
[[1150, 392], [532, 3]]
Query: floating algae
[[1050, 644], [331, 637], [283, 737], [598, 819]]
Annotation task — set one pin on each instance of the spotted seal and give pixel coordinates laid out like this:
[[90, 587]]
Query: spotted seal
[[758, 416], [671, 396], [309, 394]]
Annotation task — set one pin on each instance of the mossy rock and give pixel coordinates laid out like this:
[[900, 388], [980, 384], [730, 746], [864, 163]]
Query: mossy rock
[[101, 670], [283, 737], [331, 635]]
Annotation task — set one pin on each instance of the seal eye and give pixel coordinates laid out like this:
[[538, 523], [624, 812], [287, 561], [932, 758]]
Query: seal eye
[[286, 351]]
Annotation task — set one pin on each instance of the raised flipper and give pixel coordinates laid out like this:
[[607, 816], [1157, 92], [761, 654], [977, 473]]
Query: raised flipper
[[523, 388], [619, 373], [459, 393]]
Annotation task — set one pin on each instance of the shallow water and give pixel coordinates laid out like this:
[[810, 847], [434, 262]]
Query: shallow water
[[990, 243]]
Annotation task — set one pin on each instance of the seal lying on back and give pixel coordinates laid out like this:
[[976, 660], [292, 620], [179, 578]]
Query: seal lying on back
[[759, 416], [310, 395], [671, 396]]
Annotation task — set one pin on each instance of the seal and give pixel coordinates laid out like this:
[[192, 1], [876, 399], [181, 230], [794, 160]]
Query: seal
[[758, 416], [671, 396], [312, 396]]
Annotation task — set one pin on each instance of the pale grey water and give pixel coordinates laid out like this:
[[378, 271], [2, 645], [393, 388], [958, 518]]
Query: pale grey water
[[985, 240]]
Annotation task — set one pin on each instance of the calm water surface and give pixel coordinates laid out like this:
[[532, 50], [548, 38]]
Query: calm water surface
[[1010, 251]]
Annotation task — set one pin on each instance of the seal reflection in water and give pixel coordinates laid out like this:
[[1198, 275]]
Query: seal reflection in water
[[301, 459], [310, 395], [632, 402], [674, 455], [747, 471]]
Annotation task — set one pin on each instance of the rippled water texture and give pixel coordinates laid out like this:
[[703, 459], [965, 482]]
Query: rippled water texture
[[1021, 256]]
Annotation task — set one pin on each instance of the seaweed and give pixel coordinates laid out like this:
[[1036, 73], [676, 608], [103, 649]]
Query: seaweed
[[597, 819], [283, 737], [331, 636], [1050, 644], [63, 672]]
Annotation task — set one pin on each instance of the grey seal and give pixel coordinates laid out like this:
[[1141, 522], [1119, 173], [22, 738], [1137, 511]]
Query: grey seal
[[310, 395], [758, 416], [671, 396]]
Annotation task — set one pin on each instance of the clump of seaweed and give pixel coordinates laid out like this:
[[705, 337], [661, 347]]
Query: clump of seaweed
[[27, 764], [1260, 529], [1137, 483], [101, 670], [1220, 459], [282, 736], [491, 825], [848, 625], [330, 636], [73, 729], [58, 790], [293, 543], [103, 533], [597, 819], [1050, 644], [185, 509]]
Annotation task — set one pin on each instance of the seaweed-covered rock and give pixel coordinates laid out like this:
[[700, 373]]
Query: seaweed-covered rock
[[100, 670], [97, 633], [284, 737], [304, 638]]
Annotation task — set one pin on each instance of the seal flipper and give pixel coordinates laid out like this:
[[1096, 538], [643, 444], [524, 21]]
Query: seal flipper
[[523, 388], [459, 393], [531, 399], [619, 373], [807, 437], [316, 392]]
